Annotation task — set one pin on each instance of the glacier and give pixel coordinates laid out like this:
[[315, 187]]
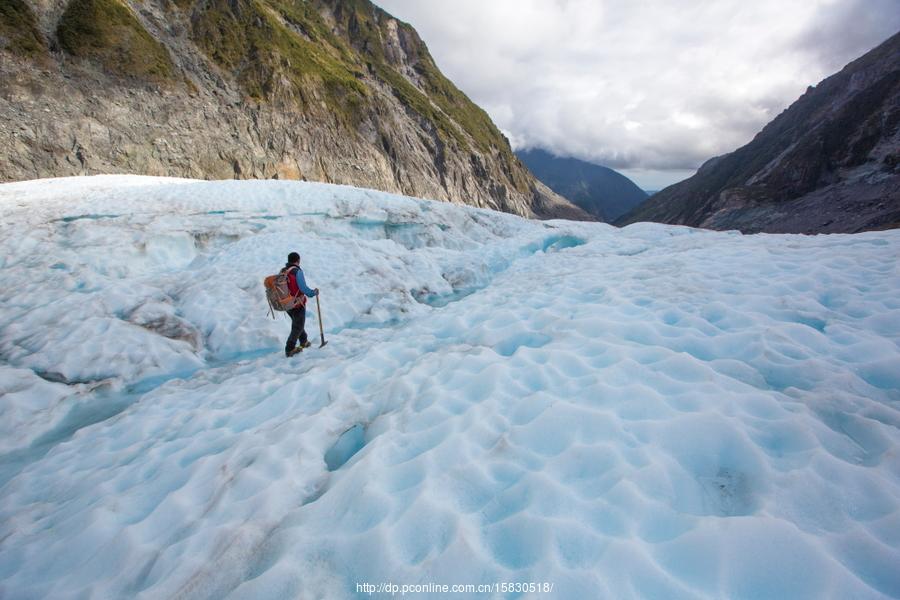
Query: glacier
[[647, 412]]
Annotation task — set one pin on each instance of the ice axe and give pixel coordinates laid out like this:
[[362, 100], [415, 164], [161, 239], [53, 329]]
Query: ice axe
[[319, 311]]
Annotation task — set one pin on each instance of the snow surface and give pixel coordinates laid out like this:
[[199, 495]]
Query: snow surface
[[652, 412]]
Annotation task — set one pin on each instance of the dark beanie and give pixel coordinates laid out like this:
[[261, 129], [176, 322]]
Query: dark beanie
[[293, 257]]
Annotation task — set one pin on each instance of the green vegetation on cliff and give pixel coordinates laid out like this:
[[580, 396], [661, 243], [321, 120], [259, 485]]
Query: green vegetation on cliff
[[363, 24], [18, 29], [454, 116], [263, 45], [467, 114], [455, 103], [277, 46], [108, 32]]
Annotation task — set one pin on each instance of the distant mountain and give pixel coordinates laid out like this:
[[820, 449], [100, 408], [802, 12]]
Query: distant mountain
[[324, 90], [829, 163], [598, 190]]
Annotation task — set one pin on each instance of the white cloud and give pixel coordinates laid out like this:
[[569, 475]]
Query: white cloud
[[642, 85]]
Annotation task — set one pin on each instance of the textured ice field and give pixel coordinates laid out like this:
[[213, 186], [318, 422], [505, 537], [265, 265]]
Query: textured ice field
[[652, 412]]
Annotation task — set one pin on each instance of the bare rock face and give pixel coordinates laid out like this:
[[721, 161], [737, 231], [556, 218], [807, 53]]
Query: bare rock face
[[320, 90], [830, 163]]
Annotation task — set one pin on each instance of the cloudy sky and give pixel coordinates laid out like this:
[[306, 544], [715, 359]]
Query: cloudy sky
[[651, 88]]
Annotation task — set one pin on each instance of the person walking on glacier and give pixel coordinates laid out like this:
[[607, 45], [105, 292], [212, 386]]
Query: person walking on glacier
[[299, 289]]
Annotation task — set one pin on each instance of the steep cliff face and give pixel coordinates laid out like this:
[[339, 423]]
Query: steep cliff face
[[829, 163], [324, 90]]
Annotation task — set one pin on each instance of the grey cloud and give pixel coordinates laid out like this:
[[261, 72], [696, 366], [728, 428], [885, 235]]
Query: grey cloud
[[642, 86], [850, 29]]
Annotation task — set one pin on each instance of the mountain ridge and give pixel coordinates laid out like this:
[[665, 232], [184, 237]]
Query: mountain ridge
[[599, 190], [829, 163]]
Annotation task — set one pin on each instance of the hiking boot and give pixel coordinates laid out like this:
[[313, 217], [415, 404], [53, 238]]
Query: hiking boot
[[306, 344], [290, 353]]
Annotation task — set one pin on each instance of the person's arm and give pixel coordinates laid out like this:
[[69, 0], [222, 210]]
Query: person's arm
[[301, 283]]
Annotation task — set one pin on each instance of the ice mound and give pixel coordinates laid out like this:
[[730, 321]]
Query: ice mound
[[651, 412]]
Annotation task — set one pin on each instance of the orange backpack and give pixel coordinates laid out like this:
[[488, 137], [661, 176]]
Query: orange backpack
[[278, 293]]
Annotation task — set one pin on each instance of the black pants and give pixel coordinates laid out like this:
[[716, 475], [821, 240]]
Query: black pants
[[298, 320]]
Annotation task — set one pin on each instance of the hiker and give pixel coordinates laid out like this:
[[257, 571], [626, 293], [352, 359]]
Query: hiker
[[297, 286]]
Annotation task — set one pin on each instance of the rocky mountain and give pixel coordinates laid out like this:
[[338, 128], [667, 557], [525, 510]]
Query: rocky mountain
[[599, 190], [829, 163], [326, 90]]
